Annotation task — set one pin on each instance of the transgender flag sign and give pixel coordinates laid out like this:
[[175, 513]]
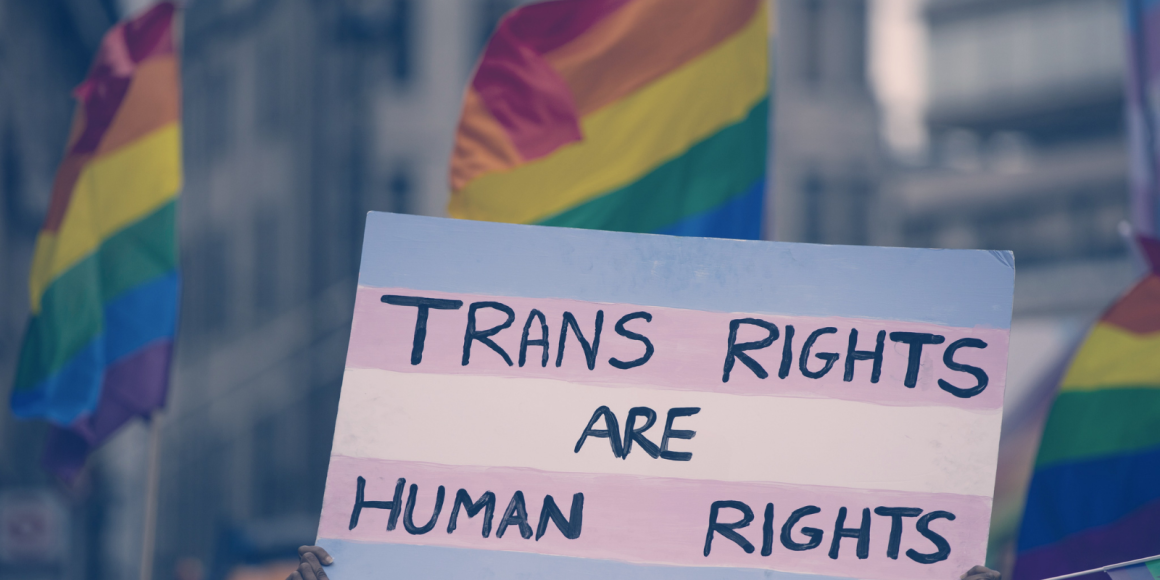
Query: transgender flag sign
[[526, 401]]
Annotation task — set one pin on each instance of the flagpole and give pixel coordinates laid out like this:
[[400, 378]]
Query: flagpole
[[150, 527], [149, 531], [1104, 569]]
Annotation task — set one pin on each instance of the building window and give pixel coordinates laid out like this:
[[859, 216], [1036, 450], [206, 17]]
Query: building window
[[813, 189], [401, 189], [267, 295], [271, 93], [857, 26], [214, 283], [812, 28], [19, 216], [211, 114], [400, 28]]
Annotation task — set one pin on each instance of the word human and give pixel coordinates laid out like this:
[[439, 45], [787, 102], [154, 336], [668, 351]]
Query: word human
[[516, 513], [800, 539], [802, 352]]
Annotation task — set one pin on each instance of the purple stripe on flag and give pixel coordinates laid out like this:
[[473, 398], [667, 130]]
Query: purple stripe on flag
[[1135, 536], [133, 386], [1150, 247]]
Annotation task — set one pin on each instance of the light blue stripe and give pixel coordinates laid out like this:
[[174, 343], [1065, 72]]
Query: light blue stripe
[[136, 318], [739, 218], [963, 288], [360, 561]]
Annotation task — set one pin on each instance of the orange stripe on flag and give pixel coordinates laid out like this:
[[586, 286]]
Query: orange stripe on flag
[[151, 103], [641, 42], [481, 144]]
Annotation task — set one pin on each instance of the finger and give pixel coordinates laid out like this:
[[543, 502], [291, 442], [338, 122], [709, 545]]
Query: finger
[[318, 551], [312, 560], [981, 573], [307, 573], [294, 576], [315, 565]]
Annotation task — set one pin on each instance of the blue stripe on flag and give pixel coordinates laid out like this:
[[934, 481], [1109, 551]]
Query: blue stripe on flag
[[1111, 488], [134, 319], [739, 218]]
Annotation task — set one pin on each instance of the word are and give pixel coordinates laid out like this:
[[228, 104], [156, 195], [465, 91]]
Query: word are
[[814, 536], [633, 434], [516, 513]]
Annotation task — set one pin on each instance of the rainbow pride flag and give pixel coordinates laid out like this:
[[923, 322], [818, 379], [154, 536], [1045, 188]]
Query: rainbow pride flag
[[104, 282], [630, 115], [1094, 498]]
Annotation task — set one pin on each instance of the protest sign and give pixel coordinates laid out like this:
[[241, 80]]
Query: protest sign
[[533, 402]]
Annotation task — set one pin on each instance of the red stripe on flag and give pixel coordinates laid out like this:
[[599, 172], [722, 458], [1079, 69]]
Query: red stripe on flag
[[122, 48], [520, 89], [1139, 310]]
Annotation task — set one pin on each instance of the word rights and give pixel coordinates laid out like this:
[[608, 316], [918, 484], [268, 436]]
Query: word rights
[[523, 401]]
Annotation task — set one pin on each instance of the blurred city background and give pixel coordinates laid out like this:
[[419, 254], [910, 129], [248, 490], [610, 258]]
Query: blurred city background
[[994, 124]]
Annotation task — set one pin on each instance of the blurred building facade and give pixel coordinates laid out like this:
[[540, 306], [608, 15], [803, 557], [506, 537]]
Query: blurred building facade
[[825, 151], [299, 117], [302, 116], [1027, 152], [45, 49], [1025, 118]]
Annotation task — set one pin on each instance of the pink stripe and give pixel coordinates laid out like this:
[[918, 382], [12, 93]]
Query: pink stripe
[[690, 348], [655, 520]]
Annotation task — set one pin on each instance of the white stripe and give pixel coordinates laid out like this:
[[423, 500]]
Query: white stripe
[[535, 423]]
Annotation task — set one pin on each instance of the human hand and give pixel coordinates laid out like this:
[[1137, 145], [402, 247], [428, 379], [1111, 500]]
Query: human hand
[[311, 559], [981, 573]]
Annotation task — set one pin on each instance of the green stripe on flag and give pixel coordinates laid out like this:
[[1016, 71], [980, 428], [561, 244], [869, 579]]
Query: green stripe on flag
[[71, 311], [1154, 568], [709, 174], [1086, 424]]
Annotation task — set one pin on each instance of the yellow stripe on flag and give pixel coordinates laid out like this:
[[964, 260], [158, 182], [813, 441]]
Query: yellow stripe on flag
[[112, 192], [627, 139], [1114, 358]]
